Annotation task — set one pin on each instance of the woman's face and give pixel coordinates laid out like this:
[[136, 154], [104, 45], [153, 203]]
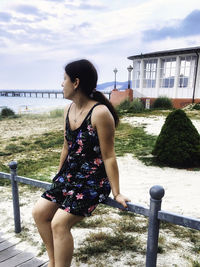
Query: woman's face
[[68, 87]]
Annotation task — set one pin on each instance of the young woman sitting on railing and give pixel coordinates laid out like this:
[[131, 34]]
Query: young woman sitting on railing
[[88, 168]]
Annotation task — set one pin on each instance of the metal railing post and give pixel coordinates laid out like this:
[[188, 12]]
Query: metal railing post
[[156, 192], [15, 195]]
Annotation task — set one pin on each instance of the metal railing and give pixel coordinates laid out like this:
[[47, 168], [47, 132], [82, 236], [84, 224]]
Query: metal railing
[[154, 213]]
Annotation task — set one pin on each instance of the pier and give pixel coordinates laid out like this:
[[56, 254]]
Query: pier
[[30, 93], [37, 93]]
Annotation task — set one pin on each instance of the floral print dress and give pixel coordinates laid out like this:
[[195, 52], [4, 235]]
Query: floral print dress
[[82, 183]]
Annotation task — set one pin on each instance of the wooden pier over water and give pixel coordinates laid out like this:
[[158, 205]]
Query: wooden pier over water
[[37, 93], [30, 93]]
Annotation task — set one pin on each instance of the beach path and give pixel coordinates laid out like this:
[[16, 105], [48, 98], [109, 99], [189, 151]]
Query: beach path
[[11, 257]]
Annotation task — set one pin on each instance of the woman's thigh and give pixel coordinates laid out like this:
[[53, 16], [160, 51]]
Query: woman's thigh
[[65, 219], [44, 209]]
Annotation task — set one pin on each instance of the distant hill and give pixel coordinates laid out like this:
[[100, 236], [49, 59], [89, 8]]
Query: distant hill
[[108, 86]]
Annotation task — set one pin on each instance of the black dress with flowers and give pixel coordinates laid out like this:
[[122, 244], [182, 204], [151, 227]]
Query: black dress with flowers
[[82, 183]]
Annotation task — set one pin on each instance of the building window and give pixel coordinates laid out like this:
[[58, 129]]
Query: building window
[[150, 69], [167, 72], [187, 68], [136, 74]]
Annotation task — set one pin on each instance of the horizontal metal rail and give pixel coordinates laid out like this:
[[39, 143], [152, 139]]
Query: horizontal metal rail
[[179, 219]]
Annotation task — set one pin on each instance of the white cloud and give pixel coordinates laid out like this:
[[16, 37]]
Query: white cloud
[[44, 34]]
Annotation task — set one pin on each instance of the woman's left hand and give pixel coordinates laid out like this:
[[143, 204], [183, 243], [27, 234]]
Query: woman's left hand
[[122, 200]]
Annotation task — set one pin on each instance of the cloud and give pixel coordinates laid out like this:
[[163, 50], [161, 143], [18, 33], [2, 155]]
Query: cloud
[[27, 9], [5, 16], [81, 26], [4, 33], [58, 1], [187, 27], [91, 7], [85, 6], [25, 34]]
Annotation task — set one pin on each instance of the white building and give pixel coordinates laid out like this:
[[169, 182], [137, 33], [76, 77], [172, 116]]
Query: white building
[[171, 73]]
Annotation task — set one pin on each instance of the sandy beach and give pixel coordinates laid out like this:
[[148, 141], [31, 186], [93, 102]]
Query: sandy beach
[[182, 195], [182, 187]]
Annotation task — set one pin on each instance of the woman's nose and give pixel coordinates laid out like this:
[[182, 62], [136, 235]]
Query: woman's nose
[[62, 84]]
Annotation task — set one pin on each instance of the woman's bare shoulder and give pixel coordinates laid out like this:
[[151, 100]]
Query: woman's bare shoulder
[[101, 113], [101, 110]]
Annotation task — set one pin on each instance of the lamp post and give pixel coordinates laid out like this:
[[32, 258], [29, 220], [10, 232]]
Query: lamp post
[[130, 68], [115, 72]]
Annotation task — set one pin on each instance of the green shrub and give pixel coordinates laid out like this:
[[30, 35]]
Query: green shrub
[[123, 107], [163, 102], [178, 144], [127, 106], [7, 112], [136, 106], [196, 106]]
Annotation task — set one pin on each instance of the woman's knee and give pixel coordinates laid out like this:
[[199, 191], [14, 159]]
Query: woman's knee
[[44, 210], [58, 228], [62, 222]]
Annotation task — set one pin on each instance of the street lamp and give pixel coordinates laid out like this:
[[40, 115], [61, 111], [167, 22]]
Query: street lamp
[[115, 72], [130, 68]]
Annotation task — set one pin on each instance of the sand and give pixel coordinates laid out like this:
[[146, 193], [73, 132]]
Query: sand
[[182, 187]]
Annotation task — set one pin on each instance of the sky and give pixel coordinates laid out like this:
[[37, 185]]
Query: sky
[[38, 38]]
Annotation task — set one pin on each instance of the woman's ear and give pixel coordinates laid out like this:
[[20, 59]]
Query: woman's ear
[[76, 83]]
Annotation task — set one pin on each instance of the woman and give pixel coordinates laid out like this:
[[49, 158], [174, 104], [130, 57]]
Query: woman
[[88, 169]]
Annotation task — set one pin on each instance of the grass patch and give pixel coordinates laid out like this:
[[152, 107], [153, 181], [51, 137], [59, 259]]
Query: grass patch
[[33, 154], [91, 223], [13, 148], [57, 113], [101, 242], [131, 226], [180, 232], [42, 250], [30, 167], [133, 140], [195, 264]]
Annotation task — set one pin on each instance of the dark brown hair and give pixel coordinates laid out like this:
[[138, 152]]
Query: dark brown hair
[[85, 71]]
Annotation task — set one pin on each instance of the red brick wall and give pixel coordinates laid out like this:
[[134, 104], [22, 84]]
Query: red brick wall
[[177, 103], [117, 96]]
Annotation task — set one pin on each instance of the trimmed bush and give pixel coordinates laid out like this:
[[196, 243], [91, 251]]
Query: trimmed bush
[[178, 144], [163, 102], [7, 112], [196, 106]]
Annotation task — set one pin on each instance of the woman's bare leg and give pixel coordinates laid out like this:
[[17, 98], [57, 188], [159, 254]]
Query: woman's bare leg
[[43, 213], [62, 238]]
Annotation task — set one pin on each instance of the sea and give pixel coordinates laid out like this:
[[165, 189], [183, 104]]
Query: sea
[[33, 104], [22, 105]]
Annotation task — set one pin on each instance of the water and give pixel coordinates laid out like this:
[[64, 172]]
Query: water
[[32, 104]]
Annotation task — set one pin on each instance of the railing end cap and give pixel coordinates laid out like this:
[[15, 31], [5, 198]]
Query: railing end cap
[[13, 165], [157, 192]]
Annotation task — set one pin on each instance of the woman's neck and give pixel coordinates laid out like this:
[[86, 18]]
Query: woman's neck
[[80, 100]]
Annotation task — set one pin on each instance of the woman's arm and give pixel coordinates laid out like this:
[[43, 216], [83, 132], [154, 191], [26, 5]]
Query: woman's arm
[[103, 120], [65, 145]]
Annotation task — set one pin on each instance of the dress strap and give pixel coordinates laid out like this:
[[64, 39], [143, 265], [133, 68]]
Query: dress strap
[[69, 109], [90, 112]]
